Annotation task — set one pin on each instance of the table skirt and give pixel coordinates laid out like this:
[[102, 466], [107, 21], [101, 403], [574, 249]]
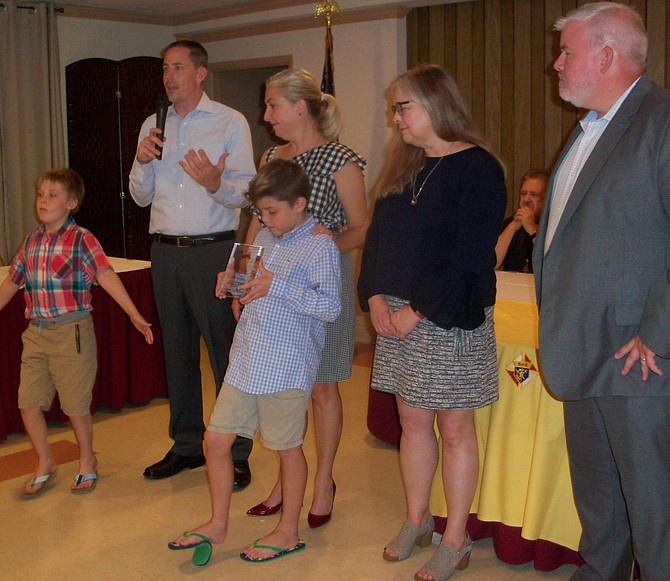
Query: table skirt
[[130, 372]]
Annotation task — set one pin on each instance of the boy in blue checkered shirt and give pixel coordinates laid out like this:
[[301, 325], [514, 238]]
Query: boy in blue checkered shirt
[[273, 359]]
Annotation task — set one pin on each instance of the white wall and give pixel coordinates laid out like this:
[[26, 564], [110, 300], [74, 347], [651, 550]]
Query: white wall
[[368, 55], [81, 38]]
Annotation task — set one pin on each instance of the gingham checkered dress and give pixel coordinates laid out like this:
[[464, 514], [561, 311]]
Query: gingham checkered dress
[[320, 165]]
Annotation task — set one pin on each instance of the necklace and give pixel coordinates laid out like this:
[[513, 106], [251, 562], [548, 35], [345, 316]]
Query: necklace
[[415, 194]]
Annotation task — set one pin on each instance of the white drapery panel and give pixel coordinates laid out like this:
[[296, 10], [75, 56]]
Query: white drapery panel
[[31, 127]]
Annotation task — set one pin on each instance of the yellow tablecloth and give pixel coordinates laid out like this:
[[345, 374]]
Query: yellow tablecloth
[[524, 478]]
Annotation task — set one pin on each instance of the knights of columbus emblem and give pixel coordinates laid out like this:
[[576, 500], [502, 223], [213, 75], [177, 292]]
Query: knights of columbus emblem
[[521, 370]]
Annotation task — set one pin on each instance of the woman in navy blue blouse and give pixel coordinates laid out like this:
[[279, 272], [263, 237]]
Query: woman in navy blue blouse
[[428, 280]]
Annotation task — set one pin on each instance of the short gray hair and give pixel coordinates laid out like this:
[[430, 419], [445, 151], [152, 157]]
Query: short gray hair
[[612, 24]]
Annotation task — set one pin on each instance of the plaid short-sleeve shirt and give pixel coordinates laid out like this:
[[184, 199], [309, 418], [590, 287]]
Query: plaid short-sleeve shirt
[[58, 269]]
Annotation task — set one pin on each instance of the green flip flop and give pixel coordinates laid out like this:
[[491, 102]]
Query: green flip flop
[[279, 552], [202, 553], [203, 548]]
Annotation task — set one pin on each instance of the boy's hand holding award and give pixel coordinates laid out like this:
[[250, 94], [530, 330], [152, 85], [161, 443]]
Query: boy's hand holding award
[[258, 287], [242, 267]]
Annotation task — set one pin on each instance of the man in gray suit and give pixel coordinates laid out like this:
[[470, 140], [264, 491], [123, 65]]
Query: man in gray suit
[[601, 263]]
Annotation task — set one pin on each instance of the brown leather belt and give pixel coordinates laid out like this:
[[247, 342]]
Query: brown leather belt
[[200, 240]]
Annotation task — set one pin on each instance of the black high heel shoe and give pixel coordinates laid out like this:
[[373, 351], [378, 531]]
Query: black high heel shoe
[[318, 520]]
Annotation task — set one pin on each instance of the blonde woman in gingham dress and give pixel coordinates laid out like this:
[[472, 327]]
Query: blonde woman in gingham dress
[[309, 121]]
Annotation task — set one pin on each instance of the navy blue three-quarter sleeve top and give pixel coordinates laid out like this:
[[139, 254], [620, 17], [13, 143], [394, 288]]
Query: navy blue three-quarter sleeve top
[[439, 254]]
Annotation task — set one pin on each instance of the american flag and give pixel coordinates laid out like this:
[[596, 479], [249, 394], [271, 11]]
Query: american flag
[[327, 80]]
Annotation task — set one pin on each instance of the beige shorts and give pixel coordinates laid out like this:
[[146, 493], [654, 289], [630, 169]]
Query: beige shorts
[[281, 417], [59, 357]]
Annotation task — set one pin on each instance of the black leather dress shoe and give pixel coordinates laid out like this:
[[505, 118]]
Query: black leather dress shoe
[[242, 474], [172, 464]]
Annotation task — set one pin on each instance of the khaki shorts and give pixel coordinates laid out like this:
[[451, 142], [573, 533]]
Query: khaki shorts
[[281, 417], [59, 357]]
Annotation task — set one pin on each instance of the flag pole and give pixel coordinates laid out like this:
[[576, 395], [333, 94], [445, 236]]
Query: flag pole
[[326, 8]]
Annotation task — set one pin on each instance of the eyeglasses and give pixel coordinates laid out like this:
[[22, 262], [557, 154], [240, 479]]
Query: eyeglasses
[[399, 107]]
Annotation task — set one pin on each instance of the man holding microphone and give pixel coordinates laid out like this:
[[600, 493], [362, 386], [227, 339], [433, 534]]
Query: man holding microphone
[[195, 177]]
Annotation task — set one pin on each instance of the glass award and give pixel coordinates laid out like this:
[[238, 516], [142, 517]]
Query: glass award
[[242, 267]]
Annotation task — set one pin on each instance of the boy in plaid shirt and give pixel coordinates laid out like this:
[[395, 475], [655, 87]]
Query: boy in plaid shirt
[[58, 263], [273, 359]]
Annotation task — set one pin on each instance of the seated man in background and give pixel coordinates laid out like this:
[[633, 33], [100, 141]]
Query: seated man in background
[[515, 244]]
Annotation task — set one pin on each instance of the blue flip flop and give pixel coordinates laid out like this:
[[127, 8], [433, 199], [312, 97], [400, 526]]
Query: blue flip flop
[[43, 481], [81, 478], [203, 548], [279, 552]]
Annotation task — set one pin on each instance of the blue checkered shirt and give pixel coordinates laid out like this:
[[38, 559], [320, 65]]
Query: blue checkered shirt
[[279, 337]]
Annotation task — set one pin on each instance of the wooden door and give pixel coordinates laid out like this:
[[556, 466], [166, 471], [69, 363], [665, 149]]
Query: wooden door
[[107, 101]]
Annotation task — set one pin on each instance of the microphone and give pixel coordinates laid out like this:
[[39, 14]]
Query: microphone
[[162, 105]]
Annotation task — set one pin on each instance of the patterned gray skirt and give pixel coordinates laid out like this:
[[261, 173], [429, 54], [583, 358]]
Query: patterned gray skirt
[[439, 369], [338, 351]]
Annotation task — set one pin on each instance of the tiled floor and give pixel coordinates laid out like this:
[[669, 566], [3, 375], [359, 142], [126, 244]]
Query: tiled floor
[[121, 530]]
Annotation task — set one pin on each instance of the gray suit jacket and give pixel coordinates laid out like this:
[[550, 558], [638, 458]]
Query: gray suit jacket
[[606, 276]]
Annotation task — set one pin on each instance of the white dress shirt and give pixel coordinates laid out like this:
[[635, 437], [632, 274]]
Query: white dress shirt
[[179, 205], [592, 129]]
